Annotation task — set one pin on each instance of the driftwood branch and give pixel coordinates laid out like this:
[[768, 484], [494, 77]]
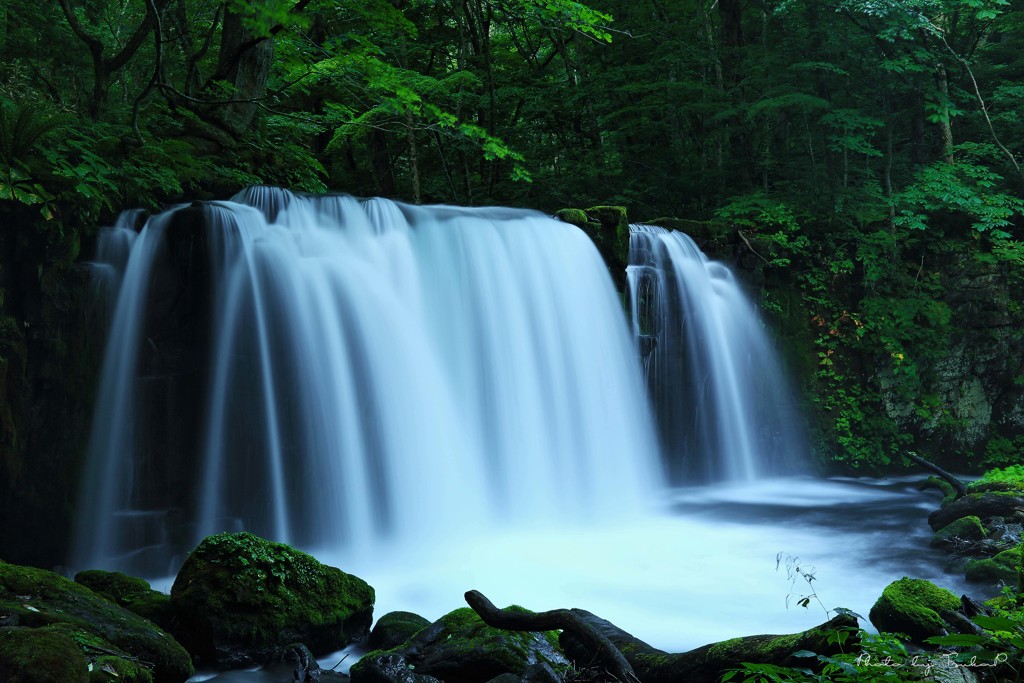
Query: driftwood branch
[[706, 664], [957, 485], [586, 637], [564, 620]]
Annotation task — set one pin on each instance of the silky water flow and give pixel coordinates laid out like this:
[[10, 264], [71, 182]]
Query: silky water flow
[[438, 399]]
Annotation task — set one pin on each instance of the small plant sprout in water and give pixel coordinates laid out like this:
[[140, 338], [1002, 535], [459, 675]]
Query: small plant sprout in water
[[795, 572]]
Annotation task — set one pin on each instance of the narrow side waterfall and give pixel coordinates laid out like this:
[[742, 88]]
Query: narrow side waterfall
[[725, 408], [339, 373]]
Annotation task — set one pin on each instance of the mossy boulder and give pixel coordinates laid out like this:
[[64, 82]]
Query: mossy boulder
[[984, 506], [1006, 479], [1003, 567], [394, 628], [915, 607], [41, 655], [134, 594], [239, 598], [105, 633], [608, 228], [967, 528], [460, 648]]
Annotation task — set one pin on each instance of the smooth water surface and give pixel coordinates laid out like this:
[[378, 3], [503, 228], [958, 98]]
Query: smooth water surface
[[703, 571]]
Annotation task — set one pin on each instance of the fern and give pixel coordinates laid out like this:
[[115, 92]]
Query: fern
[[21, 127]]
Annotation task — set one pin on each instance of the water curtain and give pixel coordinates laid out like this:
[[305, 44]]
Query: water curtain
[[331, 372]]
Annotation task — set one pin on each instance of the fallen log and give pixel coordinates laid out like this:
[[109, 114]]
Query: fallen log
[[958, 486], [707, 663], [564, 620], [587, 638]]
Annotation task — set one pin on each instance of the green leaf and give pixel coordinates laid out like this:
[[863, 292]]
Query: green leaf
[[957, 640], [996, 623]]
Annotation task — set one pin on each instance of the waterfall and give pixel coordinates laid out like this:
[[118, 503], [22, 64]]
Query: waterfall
[[725, 408], [331, 372]]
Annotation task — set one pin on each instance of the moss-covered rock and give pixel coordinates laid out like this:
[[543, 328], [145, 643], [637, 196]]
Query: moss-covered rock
[[608, 228], [132, 593], [982, 505], [915, 607], [105, 632], [41, 655], [967, 528], [239, 597], [460, 647], [989, 571], [106, 661], [394, 628], [1004, 479], [1003, 567]]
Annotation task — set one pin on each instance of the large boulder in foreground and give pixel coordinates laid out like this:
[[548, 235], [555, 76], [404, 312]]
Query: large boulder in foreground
[[43, 612], [41, 654], [239, 598], [460, 647], [916, 607], [130, 592]]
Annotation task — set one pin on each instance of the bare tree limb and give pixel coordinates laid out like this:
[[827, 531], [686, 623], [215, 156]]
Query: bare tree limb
[[981, 103], [957, 485], [751, 247], [158, 59], [558, 619]]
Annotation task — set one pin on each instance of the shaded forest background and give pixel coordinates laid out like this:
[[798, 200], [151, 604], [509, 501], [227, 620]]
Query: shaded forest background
[[861, 156]]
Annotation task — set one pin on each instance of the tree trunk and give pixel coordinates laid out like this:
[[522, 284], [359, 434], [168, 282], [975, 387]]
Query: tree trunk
[[244, 62], [945, 121], [380, 160], [414, 163]]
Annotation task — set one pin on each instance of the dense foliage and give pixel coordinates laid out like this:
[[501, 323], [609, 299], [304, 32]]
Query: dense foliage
[[872, 146]]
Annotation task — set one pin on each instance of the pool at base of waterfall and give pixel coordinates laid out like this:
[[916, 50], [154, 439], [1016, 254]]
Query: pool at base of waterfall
[[715, 563]]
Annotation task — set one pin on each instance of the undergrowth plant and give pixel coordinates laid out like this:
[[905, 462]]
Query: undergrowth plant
[[862, 657]]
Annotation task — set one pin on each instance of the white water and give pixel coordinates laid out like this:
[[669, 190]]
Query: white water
[[702, 573], [440, 400], [379, 372], [724, 405]]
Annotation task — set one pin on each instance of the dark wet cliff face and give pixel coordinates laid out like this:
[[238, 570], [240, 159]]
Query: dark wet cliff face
[[52, 338], [978, 380], [960, 398], [49, 360]]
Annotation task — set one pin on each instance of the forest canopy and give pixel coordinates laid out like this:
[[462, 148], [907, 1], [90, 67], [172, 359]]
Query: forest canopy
[[850, 109]]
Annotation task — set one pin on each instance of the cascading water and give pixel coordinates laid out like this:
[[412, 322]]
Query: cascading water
[[374, 382], [337, 373], [725, 408]]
